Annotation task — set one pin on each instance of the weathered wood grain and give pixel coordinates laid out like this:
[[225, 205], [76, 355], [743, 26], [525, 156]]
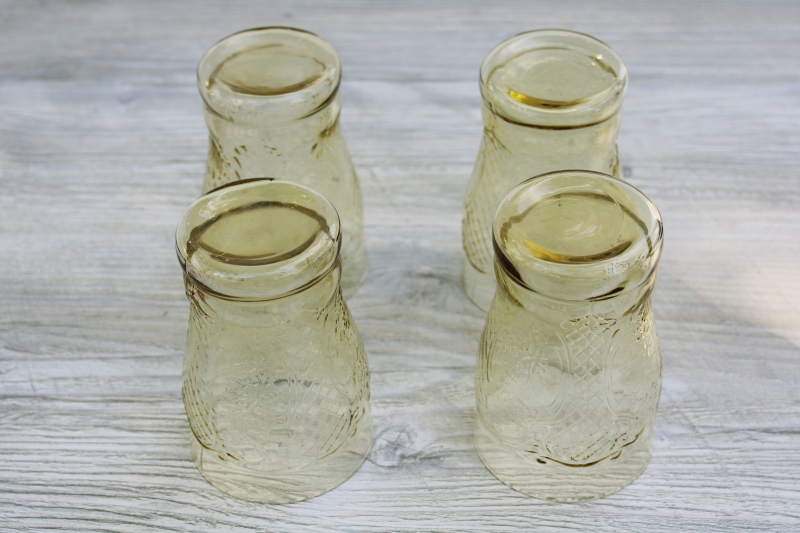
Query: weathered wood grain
[[102, 146]]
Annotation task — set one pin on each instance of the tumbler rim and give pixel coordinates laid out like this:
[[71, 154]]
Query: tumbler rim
[[599, 279], [231, 274], [292, 103], [598, 108]]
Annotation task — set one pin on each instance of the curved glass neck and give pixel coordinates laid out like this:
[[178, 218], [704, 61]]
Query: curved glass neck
[[553, 79], [264, 313], [577, 235], [320, 124], [268, 76], [511, 294], [258, 239]]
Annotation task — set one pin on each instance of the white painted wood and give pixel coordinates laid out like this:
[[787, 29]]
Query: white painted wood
[[102, 146]]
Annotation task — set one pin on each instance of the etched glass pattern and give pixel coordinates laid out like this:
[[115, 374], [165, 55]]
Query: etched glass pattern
[[551, 101], [276, 385], [569, 373], [272, 107]]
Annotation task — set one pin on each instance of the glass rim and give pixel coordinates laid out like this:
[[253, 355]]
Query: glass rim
[[260, 108], [644, 254], [253, 279], [597, 109]]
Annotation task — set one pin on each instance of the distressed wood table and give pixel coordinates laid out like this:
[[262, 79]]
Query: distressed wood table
[[102, 147]]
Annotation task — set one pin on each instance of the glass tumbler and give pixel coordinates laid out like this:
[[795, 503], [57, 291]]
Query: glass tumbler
[[272, 108], [551, 101], [275, 379], [569, 370]]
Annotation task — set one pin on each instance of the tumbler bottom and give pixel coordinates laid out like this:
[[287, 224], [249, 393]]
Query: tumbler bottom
[[546, 479], [478, 286], [279, 483]]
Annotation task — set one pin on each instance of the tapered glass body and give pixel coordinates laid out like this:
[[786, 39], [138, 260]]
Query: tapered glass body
[[569, 369], [275, 378], [551, 101], [272, 108]]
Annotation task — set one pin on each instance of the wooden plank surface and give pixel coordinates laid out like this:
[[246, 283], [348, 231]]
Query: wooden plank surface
[[102, 146]]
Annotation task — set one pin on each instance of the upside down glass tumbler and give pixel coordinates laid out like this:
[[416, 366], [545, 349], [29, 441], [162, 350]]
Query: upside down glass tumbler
[[551, 101], [272, 108], [275, 379], [569, 370]]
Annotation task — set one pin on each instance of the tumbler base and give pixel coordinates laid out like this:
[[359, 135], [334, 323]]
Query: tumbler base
[[282, 483], [546, 479]]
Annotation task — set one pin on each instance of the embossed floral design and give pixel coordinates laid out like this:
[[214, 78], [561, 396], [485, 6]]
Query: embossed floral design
[[575, 397]]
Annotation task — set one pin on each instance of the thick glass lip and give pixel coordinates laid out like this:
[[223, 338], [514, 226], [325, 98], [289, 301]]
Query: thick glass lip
[[598, 108], [224, 274], [257, 109], [593, 279]]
